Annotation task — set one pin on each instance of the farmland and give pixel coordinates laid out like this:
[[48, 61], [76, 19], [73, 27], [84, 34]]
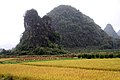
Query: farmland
[[92, 64], [69, 69]]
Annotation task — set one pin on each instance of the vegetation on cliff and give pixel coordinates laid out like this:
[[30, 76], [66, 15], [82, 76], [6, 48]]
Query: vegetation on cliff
[[38, 37], [77, 29]]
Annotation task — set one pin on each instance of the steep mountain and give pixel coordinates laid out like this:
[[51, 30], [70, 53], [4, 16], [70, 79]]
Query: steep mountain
[[118, 33], [110, 31], [77, 29], [38, 36]]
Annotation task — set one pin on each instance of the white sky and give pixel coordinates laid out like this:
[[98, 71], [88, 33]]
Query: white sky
[[12, 11]]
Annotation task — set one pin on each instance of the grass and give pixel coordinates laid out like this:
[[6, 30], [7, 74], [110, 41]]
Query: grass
[[72, 69], [8, 61], [17, 61]]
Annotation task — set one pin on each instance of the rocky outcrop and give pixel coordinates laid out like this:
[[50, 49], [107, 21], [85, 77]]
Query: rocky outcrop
[[110, 31], [118, 33], [38, 32], [77, 29]]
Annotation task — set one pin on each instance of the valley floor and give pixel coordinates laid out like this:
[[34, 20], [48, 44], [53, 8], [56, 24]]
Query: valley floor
[[72, 69]]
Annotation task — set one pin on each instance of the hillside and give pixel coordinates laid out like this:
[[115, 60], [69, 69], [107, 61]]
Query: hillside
[[110, 31], [77, 30], [118, 33], [38, 37]]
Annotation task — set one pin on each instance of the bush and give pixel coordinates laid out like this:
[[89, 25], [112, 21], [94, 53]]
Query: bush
[[88, 56], [24, 52], [101, 56], [91, 56], [79, 56], [111, 56], [97, 56], [48, 51], [118, 55], [106, 56], [39, 51], [84, 56]]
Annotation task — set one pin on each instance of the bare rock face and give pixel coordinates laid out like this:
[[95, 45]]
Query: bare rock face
[[38, 32]]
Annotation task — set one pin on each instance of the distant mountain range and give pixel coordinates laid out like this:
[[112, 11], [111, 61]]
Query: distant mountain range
[[110, 31]]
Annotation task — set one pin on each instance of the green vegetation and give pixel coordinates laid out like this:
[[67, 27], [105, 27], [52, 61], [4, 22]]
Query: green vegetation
[[91, 56], [48, 51], [5, 51], [63, 27], [78, 30], [38, 38], [93, 50]]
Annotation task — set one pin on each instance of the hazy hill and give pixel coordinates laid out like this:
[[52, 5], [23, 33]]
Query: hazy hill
[[118, 33], [110, 31], [77, 29]]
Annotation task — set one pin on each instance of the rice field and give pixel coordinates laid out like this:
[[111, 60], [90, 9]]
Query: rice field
[[74, 69], [6, 59], [97, 64]]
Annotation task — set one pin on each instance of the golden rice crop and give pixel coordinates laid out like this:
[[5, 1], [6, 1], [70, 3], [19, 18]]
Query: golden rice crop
[[28, 72], [97, 64], [99, 69]]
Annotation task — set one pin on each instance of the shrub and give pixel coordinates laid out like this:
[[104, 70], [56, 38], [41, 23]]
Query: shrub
[[111, 56], [84, 56], [24, 52], [101, 56], [118, 55], [89, 56], [79, 56], [92, 56], [106, 56], [97, 56], [39, 51]]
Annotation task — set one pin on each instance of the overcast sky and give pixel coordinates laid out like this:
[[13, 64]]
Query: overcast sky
[[12, 11]]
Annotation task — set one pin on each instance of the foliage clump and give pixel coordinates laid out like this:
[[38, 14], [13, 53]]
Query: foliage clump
[[92, 56]]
